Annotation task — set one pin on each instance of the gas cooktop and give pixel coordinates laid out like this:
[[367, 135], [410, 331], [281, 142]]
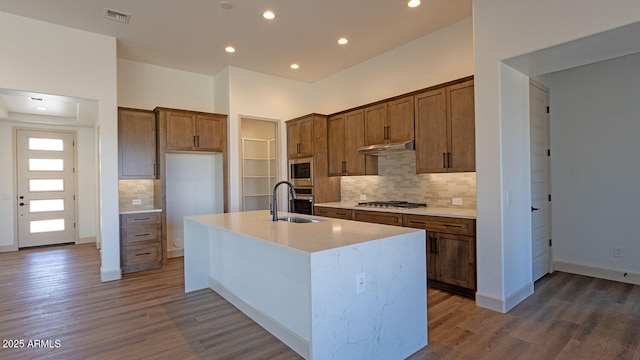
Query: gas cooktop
[[391, 204]]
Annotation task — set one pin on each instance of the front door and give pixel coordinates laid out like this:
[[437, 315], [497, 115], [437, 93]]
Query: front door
[[46, 187], [540, 180]]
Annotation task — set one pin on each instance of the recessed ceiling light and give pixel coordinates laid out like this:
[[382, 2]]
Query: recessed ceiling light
[[413, 3], [42, 108], [227, 5], [230, 49], [295, 66], [36, 99], [343, 41], [269, 15]]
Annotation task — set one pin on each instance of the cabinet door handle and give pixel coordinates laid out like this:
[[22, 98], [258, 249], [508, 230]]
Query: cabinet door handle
[[455, 226], [435, 245], [344, 166], [143, 254], [448, 159], [444, 160], [418, 222], [298, 148], [141, 219], [198, 140], [139, 235], [194, 141]]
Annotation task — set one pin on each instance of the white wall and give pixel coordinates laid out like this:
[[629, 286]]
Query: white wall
[[259, 96], [436, 58], [504, 29], [596, 165], [144, 86], [47, 58]]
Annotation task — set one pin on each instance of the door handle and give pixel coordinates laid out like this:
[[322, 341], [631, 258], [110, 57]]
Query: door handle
[[534, 209]]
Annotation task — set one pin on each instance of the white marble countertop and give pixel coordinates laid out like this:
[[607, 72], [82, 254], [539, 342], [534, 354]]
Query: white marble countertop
[[432, 211], [307, 237], [139, 211]]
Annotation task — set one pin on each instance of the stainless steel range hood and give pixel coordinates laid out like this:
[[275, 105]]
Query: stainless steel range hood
[[387, 149]]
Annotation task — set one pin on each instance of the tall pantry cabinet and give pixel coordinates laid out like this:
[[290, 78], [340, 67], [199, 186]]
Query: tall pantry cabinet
[[188, 132]]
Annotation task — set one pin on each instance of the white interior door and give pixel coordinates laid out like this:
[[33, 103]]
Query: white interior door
[[46, 188], [540, 180]]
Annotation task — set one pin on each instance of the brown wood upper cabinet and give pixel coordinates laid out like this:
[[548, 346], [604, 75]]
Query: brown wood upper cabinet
[[389, 122], [194, 131], [300, 137], [136, 144], [445, 129], [346, 135]]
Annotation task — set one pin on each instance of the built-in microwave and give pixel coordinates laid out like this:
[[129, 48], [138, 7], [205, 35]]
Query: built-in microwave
[[301, 171]]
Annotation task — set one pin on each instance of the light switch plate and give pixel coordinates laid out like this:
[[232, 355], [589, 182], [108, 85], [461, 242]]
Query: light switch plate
[[456, 201], [136, 202], [363, 197]]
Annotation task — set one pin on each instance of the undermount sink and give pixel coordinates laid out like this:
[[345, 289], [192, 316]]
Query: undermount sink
[[299, 220]]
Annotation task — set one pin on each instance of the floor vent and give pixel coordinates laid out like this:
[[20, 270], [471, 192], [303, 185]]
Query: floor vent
[[117, 16]]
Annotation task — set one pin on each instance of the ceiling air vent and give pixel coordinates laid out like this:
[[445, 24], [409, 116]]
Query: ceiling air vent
[[117, 16]]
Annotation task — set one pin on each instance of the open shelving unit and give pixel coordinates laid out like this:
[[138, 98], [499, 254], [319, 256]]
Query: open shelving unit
[[258, 173]]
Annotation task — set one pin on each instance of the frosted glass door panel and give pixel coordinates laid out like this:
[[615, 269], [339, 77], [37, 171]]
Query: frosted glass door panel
[[46, 185], [46, 164], [46, 205]]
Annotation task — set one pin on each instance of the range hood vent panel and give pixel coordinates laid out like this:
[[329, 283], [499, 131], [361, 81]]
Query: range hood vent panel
[[387, 149]]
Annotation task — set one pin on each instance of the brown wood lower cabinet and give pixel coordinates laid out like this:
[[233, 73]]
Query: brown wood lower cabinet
[[451, 252], [451, 244], [140, 242], [337, 213], [378, 217]]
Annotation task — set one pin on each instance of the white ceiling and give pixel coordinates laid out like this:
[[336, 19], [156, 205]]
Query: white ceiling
[[191, 35]]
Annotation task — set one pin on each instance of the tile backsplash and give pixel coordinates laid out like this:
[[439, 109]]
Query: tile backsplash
[[397, 180], [129, 190]]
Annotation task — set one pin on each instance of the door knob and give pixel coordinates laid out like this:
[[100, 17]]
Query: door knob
[[21, 197], [22, 204]]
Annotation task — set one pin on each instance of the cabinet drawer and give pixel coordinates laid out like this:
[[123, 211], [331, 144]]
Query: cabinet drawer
[[336, 213], [378, 217], [441, 224], [139, 234], [139, 219], [141, 254]]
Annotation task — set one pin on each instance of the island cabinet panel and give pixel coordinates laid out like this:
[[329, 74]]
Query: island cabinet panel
[[389, 122], [445, 129], [193, 131], [336, 213], [136, 144], [300, 137], [451, 251], [378, 217], [140, 242]]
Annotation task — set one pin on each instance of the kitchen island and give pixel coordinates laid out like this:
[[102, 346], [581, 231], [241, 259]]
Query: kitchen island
[[333, 289]]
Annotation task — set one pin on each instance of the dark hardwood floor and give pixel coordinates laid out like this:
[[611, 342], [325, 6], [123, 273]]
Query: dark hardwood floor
[[52, 299]]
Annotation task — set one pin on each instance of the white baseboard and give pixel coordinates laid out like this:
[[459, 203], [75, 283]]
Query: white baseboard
[[293, 340], [598, 272], [86, 240], [8, 248], [504, 305], [175, 253], [110, 275]]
